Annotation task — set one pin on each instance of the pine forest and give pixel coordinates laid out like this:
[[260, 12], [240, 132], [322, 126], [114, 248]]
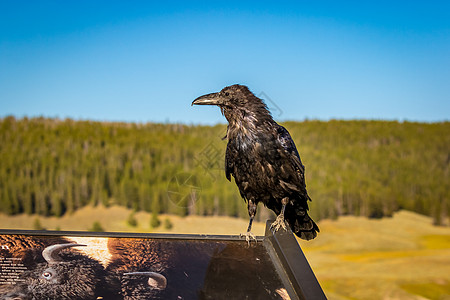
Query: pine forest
[[365, 168]]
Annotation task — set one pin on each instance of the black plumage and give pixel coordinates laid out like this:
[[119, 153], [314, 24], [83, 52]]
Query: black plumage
[[263, 159]]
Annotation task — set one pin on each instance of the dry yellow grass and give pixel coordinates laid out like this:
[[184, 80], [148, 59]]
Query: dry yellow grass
[[114, 219], [404, 257]]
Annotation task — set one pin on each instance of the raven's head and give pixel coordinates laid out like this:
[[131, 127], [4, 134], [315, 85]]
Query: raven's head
[[236, 102]]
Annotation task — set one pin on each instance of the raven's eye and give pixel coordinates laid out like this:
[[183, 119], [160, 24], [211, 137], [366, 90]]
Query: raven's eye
[[47, 275]]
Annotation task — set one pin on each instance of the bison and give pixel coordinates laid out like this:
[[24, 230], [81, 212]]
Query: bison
[[157, 268], [52, 271]]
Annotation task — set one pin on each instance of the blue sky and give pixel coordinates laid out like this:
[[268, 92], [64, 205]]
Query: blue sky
[[143, 61]]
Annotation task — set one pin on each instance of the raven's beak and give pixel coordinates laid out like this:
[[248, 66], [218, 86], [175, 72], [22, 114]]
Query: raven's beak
[[209, 99]]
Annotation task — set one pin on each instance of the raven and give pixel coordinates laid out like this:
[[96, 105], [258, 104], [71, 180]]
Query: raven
[[263, 160]]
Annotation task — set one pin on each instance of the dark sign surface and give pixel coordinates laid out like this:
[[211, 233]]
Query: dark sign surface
[[75, 265]]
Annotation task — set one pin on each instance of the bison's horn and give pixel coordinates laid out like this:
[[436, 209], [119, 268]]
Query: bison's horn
[[51, 253], [155, 280]]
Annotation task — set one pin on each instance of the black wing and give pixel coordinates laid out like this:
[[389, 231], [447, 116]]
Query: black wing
[[290, 151], [229, 162]]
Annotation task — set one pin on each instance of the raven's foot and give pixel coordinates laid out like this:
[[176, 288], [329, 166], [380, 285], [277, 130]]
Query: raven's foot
[[279, 222], [249, 236]]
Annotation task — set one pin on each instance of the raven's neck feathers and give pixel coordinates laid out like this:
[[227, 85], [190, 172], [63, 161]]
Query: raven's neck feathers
[[244, 121]]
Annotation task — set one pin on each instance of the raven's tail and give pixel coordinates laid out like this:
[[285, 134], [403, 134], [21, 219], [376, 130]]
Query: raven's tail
[[301, 223]]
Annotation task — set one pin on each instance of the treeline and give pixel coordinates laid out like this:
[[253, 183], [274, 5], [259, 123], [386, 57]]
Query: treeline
[[368, 168]]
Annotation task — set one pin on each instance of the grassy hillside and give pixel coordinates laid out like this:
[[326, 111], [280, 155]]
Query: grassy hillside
[[403, 257], [115, 218], [365, 168]]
